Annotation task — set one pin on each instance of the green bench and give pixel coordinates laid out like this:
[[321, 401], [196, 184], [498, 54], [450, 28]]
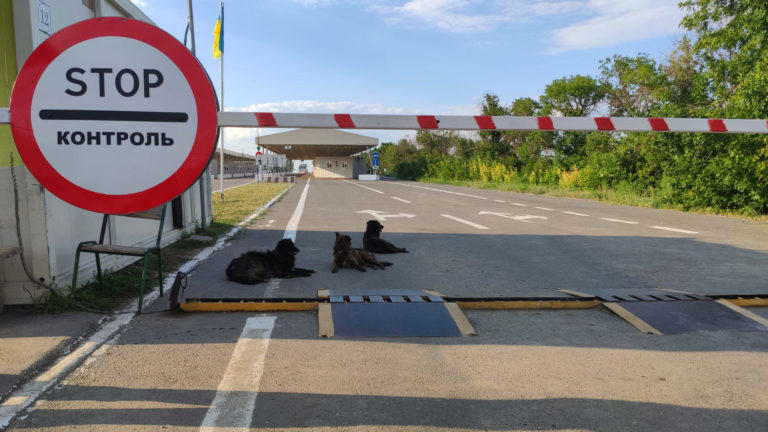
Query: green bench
[[100, 248]]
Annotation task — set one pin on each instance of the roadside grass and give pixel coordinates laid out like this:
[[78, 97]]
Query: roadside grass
[[123, 285], [621, 196]]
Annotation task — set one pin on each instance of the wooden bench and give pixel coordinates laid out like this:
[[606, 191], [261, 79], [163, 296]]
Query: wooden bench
[[99, 247]]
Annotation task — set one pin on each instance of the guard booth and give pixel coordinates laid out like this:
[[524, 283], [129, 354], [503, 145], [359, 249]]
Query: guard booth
[[335, 153]]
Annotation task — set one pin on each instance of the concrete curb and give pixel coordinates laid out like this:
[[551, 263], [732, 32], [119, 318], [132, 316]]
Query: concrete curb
[[23, 397]]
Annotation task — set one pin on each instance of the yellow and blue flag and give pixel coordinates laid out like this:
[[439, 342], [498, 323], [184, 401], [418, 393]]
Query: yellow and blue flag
[[218, 36]]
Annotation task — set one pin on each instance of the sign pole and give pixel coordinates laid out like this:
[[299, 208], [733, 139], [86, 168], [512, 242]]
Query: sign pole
[[202, 180], [221, 154]]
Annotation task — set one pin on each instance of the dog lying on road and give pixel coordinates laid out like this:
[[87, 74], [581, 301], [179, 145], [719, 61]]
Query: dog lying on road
[[253, 267], [372, 242], [344, 255]]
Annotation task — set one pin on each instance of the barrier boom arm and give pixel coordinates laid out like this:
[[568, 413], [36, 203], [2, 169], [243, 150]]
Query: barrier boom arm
[[510, 123]]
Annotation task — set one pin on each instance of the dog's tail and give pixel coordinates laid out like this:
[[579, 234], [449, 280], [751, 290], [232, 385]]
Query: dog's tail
[[386, 264]]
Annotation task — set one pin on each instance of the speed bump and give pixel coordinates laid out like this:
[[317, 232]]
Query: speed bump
[[356, 314], [660, 311]]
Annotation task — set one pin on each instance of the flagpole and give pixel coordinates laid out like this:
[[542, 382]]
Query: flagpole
[[221, 87]]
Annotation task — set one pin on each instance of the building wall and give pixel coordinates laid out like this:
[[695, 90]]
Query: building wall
[[333, 167], [51, 228]]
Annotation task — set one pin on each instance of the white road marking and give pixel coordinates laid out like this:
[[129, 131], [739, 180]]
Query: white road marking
[[290, 233], [575, 214], [441, 190], [519, 205], [233, 406], [472, 224], [293, 223], [382, 216], [499, 200], [364, 187], [521, 218], [232, 187], [673, 229], [400, 199], [619, 221], [543, 208]]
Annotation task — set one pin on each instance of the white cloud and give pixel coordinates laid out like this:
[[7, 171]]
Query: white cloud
[[618, 22], [140, 3], [321, 107], [462, 16]]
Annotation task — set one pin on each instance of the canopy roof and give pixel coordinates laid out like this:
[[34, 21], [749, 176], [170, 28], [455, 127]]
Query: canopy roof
[[312, 143]]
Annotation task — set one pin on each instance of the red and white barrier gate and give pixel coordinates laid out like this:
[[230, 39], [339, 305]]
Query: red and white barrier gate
[[512, 123]]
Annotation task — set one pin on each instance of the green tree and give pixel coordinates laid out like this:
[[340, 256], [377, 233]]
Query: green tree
[[577, 95]]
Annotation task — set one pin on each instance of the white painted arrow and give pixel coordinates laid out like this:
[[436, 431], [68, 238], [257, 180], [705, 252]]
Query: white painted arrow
[[521, 218], [382, 216]]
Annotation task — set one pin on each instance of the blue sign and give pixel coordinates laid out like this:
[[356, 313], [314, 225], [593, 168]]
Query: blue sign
[[375, 156]]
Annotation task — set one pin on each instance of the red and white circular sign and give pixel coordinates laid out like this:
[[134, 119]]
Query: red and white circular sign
[[114, 115]]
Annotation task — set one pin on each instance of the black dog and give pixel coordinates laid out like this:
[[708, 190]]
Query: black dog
[[254, 267], [372, 242]]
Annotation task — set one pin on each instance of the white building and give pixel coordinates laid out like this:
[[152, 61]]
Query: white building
[[50, 227], [334, 153]]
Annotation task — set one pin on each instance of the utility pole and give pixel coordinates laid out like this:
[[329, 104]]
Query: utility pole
[[203, 179]]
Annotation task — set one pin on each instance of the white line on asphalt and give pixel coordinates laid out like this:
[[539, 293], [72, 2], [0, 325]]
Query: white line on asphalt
[[575, 214], [499, 200], [365, 187], [520, 205], [619, 221], [293, 223], [233, 406], [543, 208], [673, 229], [441, 190], [400, 199], [290, 233], [472, 224], [232, 187]]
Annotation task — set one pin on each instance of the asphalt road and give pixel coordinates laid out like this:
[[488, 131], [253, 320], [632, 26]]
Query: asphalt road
[[526, 370]]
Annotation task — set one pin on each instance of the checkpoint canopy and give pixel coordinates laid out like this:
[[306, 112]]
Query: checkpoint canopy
[[308, 143], [114, 115]]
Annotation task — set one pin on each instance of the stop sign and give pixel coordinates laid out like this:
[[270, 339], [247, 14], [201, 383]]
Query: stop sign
[[114, 115]]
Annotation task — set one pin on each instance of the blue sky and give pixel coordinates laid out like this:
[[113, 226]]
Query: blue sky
[[409, 56]]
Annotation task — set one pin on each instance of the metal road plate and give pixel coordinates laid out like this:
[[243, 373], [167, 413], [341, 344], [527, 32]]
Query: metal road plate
[[369, 320], [640, 295], [381, 292], [677, 317]]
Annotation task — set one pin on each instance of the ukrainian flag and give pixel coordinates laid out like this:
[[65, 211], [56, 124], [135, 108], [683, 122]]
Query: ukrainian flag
[[218, 36]]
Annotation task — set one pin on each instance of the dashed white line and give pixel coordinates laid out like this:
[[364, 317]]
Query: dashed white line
[[499, 201], [443, 191], [677, 230], [519, 205], [233, 406], [619, 221], [575, 214], [543, 208], [364, 187], [400, 199], [472, 224]]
